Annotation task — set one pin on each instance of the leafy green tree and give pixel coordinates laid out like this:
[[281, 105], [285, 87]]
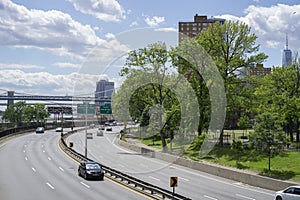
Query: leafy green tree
[[20, 112], [153, 96], [278, 95], [14, 112], [232, 47], [268, 133], [36, 112], [243, 123]]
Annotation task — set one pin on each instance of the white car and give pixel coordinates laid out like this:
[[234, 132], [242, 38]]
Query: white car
[[290, 193], [59, 129]]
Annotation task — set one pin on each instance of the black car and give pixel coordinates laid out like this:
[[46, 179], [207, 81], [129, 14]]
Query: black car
[[91, 170]]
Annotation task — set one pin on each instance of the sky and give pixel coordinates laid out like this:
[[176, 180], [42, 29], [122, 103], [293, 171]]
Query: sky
[[63, 47]]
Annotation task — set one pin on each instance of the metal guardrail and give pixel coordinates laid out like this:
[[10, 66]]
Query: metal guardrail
[[141, 186]]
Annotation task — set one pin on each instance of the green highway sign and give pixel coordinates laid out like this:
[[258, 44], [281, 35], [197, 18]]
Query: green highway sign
[[86, 108], [106, 109]]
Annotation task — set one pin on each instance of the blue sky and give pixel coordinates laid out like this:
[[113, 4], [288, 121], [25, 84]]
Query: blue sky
[[48, 46]]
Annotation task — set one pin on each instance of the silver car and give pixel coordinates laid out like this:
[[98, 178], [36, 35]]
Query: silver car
[[290, 193]]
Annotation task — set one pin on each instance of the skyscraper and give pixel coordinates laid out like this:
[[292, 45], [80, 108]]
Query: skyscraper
[[287, 54], [104, 90]]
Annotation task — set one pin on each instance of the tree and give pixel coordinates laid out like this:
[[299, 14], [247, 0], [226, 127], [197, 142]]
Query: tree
[[278, 95], [36, 113], [148, 84], [14, 112], [232, 47], [243, 123], [20, 112]]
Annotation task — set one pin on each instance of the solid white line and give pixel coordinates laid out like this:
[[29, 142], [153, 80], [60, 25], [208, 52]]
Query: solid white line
[[26, 158], [239, 195], [50, 186], [61, 169], [85, 184], [33, 169], [154, 178], [49, 158], [209, 197]]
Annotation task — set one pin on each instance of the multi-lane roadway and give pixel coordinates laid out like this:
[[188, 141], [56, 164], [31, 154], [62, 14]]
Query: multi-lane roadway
[[33, 168], [192, 184]]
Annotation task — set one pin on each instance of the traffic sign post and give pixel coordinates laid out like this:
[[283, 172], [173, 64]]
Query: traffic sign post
[[173, 183], [86, 108], [106, 109]]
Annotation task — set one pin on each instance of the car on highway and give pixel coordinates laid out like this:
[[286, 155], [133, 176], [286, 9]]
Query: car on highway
[[89, 135], [290, 193], [90, 170], [108, 128], [99, 133], [39, 130], [59, 129], [101, 127]]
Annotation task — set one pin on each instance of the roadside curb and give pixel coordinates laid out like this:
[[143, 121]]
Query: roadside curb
[[243, 176]]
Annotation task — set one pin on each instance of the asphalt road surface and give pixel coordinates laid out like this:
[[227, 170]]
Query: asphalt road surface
[[191, 183], [34, 168]]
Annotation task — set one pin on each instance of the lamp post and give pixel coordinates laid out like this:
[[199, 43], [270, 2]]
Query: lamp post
[[85, 149]]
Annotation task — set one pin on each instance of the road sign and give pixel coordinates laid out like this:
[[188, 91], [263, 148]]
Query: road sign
[[105, 109], [82, 109], [174, 181]]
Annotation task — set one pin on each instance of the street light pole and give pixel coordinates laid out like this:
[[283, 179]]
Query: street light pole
[[85, 150]]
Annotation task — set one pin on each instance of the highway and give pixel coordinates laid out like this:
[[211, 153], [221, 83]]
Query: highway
[[33, 168], [192, 184]]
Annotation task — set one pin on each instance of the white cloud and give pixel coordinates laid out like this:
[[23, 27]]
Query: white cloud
[[67, 65], [154, 21], [168, 29], [106, 10], [135, 23], [20, 66], [271, 24], [52, 30], [43, 83]]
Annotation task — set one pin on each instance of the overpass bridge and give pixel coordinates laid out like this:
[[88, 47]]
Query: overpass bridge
[[10, 97]]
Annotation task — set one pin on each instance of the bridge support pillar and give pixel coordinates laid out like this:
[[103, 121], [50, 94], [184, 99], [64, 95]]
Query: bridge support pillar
[[10, 101]]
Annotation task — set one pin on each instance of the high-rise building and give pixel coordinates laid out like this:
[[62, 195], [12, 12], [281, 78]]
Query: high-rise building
[[287, 54], [258, 70], [104, 90], [191, 29]]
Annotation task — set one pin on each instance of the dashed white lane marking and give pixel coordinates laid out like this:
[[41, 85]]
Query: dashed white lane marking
[[184, 179], [44, 151], [24, 151], [50, 186], [26, 158], [49, 158], [154, 178], [33, 169], [245, 197], [85, 184], [209, 197], [61, 169]]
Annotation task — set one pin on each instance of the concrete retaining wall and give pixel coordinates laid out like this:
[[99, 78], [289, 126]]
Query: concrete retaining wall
[[225, 172]]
